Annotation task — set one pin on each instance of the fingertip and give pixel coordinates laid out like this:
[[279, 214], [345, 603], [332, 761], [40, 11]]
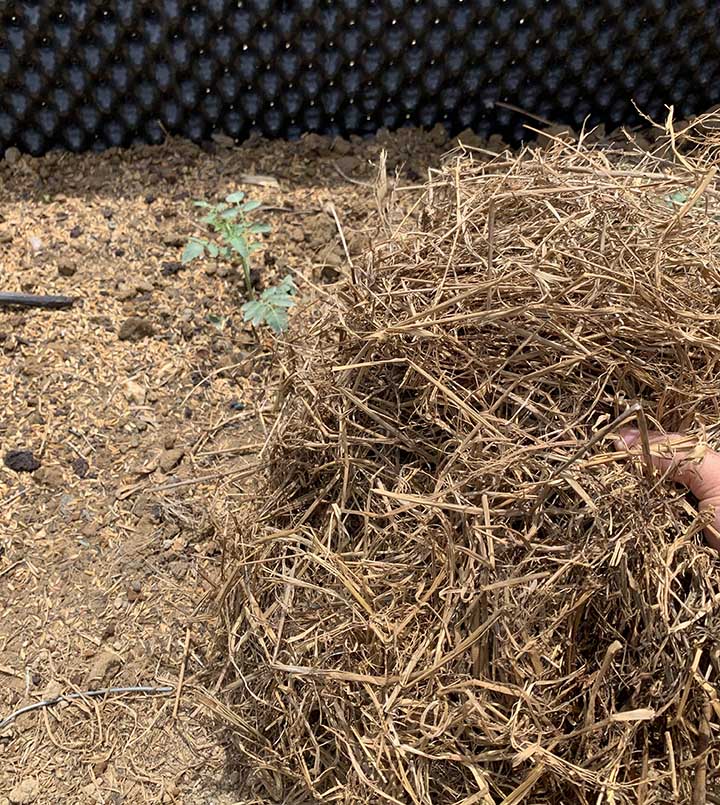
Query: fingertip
[[626, 438]]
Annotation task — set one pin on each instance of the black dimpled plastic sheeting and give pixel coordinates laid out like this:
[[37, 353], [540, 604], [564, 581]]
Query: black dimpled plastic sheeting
[[84, 74]]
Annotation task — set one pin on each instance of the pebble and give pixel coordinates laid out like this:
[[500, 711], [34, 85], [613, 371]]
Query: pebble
[[125, 293], [134, 392], [25, 792], [66, 268], [135, 329], [12, 155], [36, 245]]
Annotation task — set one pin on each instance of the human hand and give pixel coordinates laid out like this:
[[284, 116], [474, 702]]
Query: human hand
[[686, 461]]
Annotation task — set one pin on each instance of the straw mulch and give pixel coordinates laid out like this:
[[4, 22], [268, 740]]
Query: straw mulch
[[452, 589]]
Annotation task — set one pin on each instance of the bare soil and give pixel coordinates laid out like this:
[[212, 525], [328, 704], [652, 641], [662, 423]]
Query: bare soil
[[145, 406]]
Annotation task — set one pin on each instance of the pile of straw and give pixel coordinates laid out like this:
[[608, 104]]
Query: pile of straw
[[453, 589]]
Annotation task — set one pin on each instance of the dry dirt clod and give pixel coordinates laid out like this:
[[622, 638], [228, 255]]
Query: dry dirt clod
[[50, 476], [341, 146], [134, 392], [170, 267], [80, 467], [25, 792], [52, 690], [21, 461], [105, 666], [169, 459], [347, 164], [135, 329]]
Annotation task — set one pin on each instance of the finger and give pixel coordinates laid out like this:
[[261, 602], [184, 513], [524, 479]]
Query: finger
[[681, 458]]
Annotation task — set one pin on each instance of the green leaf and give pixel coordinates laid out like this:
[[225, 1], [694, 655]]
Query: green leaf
[[232, 213], [277, 320], [249, 206], [201, 203], [235, 198], [218, 322], [241, 247], [288, 284], [193, 249], [253, 312], [679, 197], [213, 249], [259, 229], [258, 313]]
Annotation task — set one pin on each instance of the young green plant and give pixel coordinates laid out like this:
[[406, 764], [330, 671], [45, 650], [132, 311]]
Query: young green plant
[[235, 238]]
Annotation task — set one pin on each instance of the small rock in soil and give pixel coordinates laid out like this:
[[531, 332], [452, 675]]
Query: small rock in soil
[[171, 267], [170, 459], [125, 293], [134, 392], [75, 232], [135, 329], [12, 155], [66, 268], [21, 461], [36, 245], [52, 690], [134, 592], [105, 665], [80, 467], [25, 792]]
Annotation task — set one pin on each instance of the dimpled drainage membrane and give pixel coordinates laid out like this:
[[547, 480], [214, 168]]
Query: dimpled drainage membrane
[[80, 74]]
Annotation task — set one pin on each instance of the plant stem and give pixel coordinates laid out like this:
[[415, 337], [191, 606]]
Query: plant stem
[[248, 279]]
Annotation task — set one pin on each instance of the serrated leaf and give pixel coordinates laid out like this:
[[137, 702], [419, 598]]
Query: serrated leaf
[[213, 249], [277, 320], [288, 283], [193, 250], [235, 198], [254, 312], [249, 206], [282, 301]]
